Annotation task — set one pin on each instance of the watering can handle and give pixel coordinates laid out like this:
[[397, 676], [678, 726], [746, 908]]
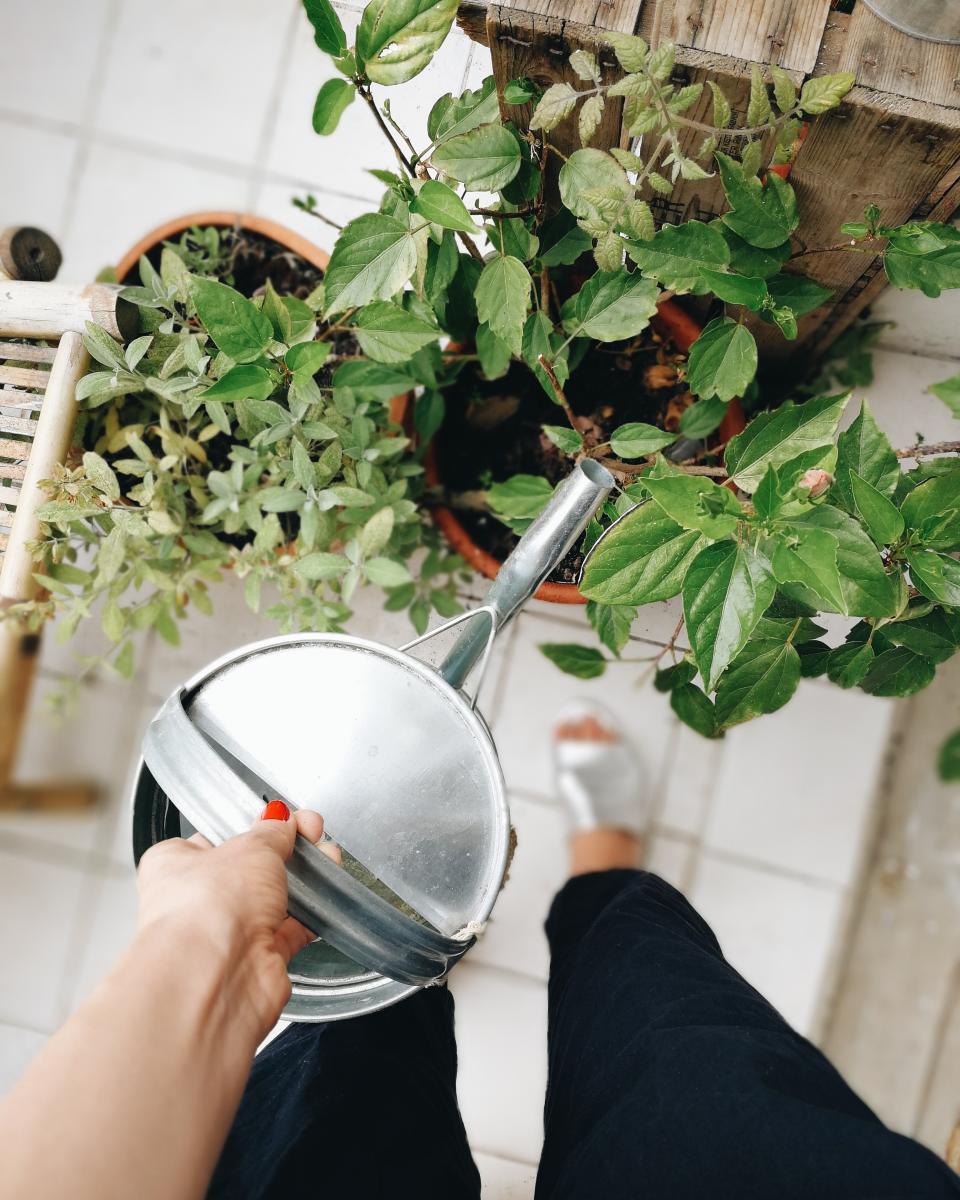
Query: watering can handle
[[541, 548], [321, 895]]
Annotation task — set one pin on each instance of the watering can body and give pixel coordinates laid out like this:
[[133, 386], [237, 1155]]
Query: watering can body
[[391, 751]]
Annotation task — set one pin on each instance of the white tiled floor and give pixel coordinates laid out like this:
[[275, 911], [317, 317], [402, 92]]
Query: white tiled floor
[[140, 122]]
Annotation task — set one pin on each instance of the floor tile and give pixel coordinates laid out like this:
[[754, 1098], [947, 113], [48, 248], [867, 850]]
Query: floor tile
[[898, 395], [273, 199], [39, 904], [690, 781], [921, 325], [502, 1047], [534, 690], [111, 924], [123, 194], [502, 1179], [778, 932], [18, 1048], [514, 937], [37, 171], [224, 56], [781, 803], [50, 55], [672, 858]]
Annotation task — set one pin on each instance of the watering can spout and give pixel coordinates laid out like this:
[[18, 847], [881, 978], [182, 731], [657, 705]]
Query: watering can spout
[[542, 548]]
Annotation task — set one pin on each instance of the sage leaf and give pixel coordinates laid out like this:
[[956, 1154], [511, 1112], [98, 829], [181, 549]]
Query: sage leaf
[[320, 566], [388, 333], [778, 436], [722, 361], [586, 662], [641, 558], [396, 39], [235, 324], [726, 590], [761, 680], [637, 440], [101, 475], [611, 306], [762, 214], [332, 100], [372, 259], [502, 296], [327, 30], [386, 573], [485, 159], [440, 204]]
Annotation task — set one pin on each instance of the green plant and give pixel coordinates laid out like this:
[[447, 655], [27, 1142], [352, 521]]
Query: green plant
[[811, 520]]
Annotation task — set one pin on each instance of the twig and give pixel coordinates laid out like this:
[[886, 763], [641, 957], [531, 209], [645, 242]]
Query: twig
[[389, 116], [313, 212], [471, 246], [503, 216], [559, 392], [616, 465], [928, 450], [364, 93], [545, 292]]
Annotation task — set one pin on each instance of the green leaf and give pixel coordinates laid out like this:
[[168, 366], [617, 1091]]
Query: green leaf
[[590, 171], [388, 333], [554, 106], [631, 51], [493, 352], [694, 501], [867, 589], [637, 440], [327, 30], [320, 566], [848, 665], [935, 575], [909, 262], [824, 92], [810, 559], [935, 635], [611, 306], [242, 383], [675, 676], [948, 390], [751, 260], [695, 709], [725, 592], [562, 243], [332, 100], [485, 159], [703, 417], [778, 436], [813, 659], [396, 39], [519, 91], [758, 109], [428, 415], [520, 496], [236, 325], [948, 760], [101, 475], [564, 438], [933, 510], [306, 358], [898, 672], [539, 337], [386, 573], [612, 623], [723, 360], [453, 115], [586, 662], [373, 258], [762, 214], [865, 450], [761, 680], [677, 255], [502, 296], [883, 520], [438, 203], [590, 117], [784, 90], [798, 293], [737, 289], [641, 558]]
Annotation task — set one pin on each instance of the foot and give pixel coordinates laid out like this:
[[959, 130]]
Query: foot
[[600, 780]]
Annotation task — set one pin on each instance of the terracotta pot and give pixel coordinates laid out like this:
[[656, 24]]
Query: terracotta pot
[[671, 321]]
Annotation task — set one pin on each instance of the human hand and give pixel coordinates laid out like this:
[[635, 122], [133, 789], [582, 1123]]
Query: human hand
[[230, 901]]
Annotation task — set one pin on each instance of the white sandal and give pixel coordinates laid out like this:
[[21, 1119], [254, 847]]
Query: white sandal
[[602, 783]]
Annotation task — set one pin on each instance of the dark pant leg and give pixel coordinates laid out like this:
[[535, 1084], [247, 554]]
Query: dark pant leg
[[365, 1109], [669, 1076]]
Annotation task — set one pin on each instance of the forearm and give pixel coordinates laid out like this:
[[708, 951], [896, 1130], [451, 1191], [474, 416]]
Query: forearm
[[135, 1094]]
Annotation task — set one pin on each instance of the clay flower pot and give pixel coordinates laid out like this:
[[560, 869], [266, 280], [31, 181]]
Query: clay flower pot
[[671, 321]]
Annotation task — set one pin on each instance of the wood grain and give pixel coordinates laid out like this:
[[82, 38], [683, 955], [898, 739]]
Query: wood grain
[[886, 60], [765, 31]]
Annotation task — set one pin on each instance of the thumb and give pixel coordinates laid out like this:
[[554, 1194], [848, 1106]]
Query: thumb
[[276, 828]]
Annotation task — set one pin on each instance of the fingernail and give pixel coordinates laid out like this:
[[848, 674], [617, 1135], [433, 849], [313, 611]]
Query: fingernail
[[276, 810]]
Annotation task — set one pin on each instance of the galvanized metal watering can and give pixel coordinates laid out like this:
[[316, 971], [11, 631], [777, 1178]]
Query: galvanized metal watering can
[[394, 755]]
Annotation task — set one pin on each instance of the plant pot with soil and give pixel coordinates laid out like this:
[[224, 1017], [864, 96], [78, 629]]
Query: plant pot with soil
[[500, 270]]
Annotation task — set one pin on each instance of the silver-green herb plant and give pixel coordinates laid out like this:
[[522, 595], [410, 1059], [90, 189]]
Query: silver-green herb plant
[[793, 520]]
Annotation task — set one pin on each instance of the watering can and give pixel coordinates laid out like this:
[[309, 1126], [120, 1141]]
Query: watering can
[[391, 751]]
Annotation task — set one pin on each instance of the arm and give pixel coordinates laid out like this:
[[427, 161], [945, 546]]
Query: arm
[[134, 1096]]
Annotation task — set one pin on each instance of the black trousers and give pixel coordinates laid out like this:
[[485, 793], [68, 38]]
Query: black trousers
[[669, 1076]]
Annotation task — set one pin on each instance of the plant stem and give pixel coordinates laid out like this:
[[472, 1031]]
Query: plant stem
[[558, 392], [364, 92], [929, 450], [471, 246], [545, 292]]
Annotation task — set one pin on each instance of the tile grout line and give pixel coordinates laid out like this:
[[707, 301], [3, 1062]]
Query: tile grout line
[[272, 110]]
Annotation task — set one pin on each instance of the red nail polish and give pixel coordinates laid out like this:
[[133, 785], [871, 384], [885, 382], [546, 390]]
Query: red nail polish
[[276, 810]]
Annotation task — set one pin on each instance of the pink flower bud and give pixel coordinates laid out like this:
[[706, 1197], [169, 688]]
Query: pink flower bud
[[815, 481]]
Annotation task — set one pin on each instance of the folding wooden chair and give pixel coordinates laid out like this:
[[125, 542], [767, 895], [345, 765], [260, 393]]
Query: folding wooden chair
[[41, 359]]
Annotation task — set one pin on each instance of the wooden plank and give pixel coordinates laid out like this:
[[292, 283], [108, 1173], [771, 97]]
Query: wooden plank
[[9, 495], [17, 425], [18, 451], [24, 377], [24, 352], [6, 518], [12, 470], [764, 31], [14, 398], [617, 15], [886, 60]]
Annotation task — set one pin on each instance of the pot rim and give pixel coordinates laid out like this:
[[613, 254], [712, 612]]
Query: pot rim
[[670, 319]]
